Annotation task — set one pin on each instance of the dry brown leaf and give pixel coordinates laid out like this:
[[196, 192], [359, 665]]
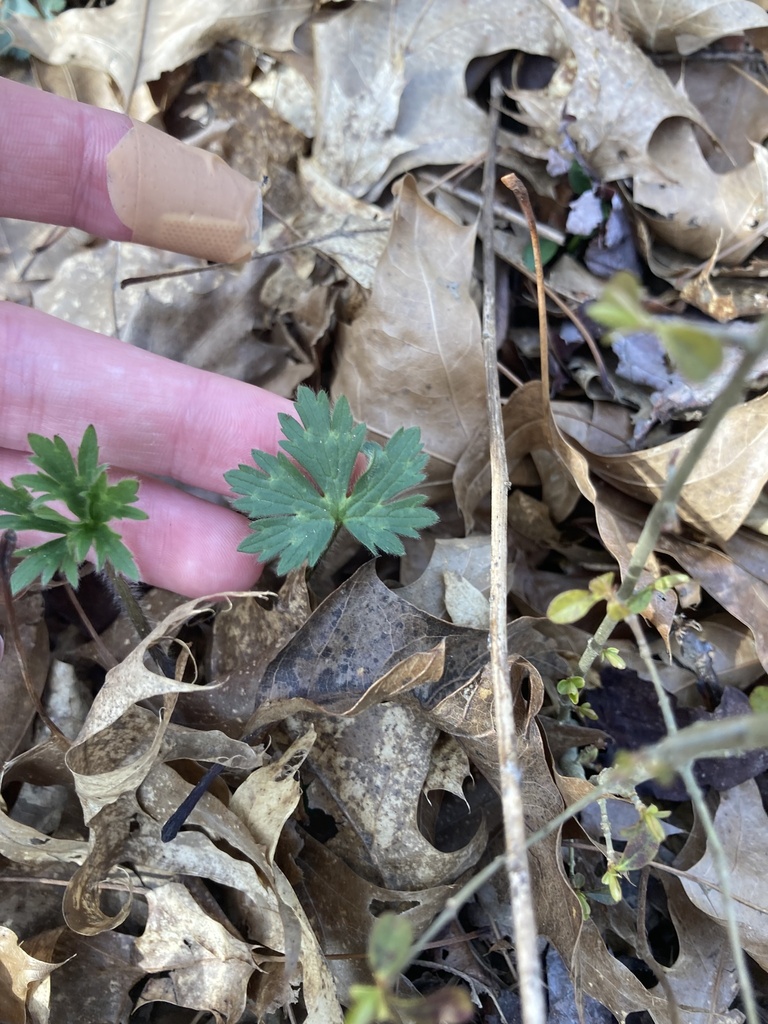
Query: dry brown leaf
[[18, 710], [135, 42], [317, 983], [595, 89], [22, 844], [269, 795], [372, 770], [724, 485], [237, 660], [342, 650], [343, 906], [703, 977], [95, 982], [628, 121], [25, 987], [203, 965], [742, 827], [385, 78], [695, 208], [414, 355], [685, 26], [469, 556], [529, 427]]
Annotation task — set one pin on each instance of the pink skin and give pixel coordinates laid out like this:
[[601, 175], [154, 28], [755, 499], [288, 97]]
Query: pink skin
[[152, 416]]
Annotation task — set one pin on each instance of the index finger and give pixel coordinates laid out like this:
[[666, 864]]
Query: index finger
[[80, 166]]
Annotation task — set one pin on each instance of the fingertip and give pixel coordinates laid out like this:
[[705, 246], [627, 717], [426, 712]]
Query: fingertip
[[189, 546]]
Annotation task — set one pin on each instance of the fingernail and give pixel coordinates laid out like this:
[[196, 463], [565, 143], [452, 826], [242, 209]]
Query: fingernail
[[174, 196]]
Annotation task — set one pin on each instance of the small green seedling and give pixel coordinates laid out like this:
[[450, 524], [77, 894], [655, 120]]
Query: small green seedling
[[572, 605], [82, 487], [389, 952], [695, 351], [297, 507]]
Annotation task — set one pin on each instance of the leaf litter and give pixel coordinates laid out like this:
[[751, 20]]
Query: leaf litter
[[353, 716]]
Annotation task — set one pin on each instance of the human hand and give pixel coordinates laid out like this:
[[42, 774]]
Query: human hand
[[152, 416]]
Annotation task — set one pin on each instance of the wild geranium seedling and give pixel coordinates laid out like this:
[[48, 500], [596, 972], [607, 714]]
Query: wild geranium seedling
[[92, 503], [297, 507]]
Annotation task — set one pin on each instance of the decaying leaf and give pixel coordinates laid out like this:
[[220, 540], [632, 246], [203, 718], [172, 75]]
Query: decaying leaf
[[742, 827], [24, 983], [418, 337], [200, 962], [131, 49]]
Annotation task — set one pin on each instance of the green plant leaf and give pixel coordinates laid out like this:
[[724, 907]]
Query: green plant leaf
[[618, 308], [83, 487], [548, 248], [389, 947], [695, 351], [297, 507], [570, 606]]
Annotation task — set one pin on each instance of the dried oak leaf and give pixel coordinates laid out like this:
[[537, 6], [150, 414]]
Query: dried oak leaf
[[742, 827]]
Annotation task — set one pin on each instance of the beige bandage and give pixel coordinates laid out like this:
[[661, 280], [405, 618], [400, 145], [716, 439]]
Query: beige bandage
[[177, 197]]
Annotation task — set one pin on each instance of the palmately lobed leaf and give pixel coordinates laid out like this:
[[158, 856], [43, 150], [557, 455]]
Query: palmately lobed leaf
[[84, 488], [295, 517]]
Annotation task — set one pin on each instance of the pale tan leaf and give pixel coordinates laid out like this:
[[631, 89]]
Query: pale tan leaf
[[24, 983], [742, 827], [414, 355], [466, 605], [386, 77], [204, 966], [684, 26], [724, 484], [135, 41], [269, 795]]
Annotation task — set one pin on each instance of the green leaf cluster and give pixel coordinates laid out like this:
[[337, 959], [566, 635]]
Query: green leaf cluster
[[82, 486], [296, 507], [572, 605], [695, 351]]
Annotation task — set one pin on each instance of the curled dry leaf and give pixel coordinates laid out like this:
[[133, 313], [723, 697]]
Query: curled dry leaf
[[132, 49], [24, 984], [201, 964], [269, 795]]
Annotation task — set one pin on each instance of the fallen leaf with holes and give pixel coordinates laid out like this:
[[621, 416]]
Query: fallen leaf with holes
[[200, 963]]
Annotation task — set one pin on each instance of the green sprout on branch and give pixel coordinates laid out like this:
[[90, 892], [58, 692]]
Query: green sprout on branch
[[297, 507], [92, 502]]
